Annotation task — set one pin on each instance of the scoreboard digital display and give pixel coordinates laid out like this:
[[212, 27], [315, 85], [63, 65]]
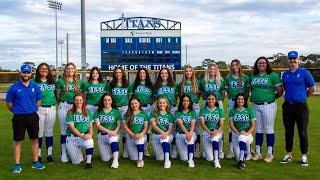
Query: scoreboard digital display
[[143, 42]]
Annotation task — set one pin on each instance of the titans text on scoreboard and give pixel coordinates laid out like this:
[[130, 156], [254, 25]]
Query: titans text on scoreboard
[[136, 42]]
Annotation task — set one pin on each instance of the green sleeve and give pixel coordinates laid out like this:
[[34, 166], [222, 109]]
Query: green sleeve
[[201, 114], [96, 114], [251, 115], [246, 80], [59, 84], [223, 85], [151, 116], [90, 116], [179, 88], [124, 117], [70, 118], [193, 115], [226, 82], [276, 79], [171, 119], [176, 86], [145, 116], [231, 113], [82, 86], [118, 116], [221, 113], [176, 116], [130, 88], [85, 87]]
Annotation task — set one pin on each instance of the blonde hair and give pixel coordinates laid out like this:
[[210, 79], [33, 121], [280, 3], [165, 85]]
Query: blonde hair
[[217, 77], [157, 109], [193, 80], [75, 78]]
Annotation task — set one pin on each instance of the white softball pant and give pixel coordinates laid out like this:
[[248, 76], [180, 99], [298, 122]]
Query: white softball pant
[[104, 145], [131, 145], [235, 141], [47, 118], [74, 147], [157, 145], [62, 114], [265, 114], [182, 145], [207, 144]]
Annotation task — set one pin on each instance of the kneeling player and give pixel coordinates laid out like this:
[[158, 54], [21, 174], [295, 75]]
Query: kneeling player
[[212, 121], [136, 127], [185, 136], [108, 122], [79, 132], [242, 124], [162, 124]]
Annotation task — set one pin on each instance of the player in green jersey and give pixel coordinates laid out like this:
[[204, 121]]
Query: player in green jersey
[[108, 122], [212, 121], [165, 87], [190, 86], [235, 82], [47, 109], [119, 91], [142, 88], [94, 89], [80, 131], [67, 86], [136, 125], [162, 123], [214, 83], [185, 137], [242, 124]]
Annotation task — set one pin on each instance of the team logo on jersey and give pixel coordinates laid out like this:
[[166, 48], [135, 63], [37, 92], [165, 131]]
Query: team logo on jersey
[[47, 87], [187, 89], [212, 87], [106, 119], [164, 90], [80, 118], [138, 120], [163, 121], [259, 81], [71, 87], [241, 117], [235, 84], [143, 89], [96, 90], [212, 117], [186, 119], [119, 91]]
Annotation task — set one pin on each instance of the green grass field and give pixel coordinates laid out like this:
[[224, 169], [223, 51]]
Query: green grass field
[[179, 170]]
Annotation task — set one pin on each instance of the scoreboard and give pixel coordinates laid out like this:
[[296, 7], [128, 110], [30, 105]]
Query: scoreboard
[[141, 42]]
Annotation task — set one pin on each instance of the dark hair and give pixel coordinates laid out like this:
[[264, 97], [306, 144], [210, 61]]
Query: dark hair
[[159, 80], [129, 116], [245, 100], [215, 96], [124, 80], [137, 80], [101, 105], [240, 70], [180, 108], [255, 69], [91, 72], [74, 108], [37, 78]]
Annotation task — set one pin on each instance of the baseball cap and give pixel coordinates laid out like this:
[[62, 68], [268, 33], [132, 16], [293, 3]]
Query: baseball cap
[[26, 68], [292, 55]]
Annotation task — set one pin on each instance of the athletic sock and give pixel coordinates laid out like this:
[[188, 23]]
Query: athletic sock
[[39, 146], [166, 150], [230, 142], [140, 148], [147, 143], [89, 153], [49, 145], [259, 142], [270, 143], [198, 143], [243, 150], [215, 147], [221, 144], [114, 147], [63, 139], [190, 151], [115, 155]]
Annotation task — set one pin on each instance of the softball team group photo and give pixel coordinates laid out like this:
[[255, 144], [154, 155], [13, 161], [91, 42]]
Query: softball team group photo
[[165, 116]]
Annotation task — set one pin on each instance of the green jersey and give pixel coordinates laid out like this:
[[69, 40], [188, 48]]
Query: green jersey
[[81, 123], [186, 118], [47, 93], [143, 93], [94, 92], [212, 117], [233, 86], [188, 90], [242, 118], [212, 87], [163, 121], [108, 120], [67, 94], [168, 92], [138, 121], [263, 87], [120, 95]]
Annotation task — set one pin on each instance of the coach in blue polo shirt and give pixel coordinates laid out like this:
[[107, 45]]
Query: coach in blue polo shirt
[[23, 99], [298, 84]]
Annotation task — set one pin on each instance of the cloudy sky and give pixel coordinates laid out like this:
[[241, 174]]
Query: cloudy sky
[[220, 30]]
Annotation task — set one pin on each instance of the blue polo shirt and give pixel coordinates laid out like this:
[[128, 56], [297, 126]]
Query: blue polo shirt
[[295, 84], [23, 97]]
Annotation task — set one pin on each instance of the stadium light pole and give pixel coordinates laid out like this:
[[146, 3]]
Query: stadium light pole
[[61, 42], [83, 38], [55, 5]]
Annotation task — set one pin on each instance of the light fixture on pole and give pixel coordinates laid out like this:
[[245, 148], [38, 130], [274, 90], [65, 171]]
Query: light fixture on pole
[[55, 5]]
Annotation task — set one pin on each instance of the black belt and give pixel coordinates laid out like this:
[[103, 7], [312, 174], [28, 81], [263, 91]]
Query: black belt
[[101, 133], [262, 103], [46, 106], [294, 103], [67, 102], [145, 105]]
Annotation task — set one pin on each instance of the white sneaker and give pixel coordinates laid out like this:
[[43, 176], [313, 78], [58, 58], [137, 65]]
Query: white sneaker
[[230, 155], [146, 153], [115, 165], [269, 158], [140, 163], [256, 157], [249, 156], [64, 158], [191, 164], [174, 153], [197, 154], [221, 155], [304, 161], [167, 164], [216, 164]]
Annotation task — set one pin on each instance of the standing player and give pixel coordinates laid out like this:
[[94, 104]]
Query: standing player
[[242, 124], [215, 84], [47, 109], [235, 82], [94, 89], [265, 88], [165, 87], [66, 86], [79, 132], [185, 136], [190, 86], [136, 126], [162, 124], [108, 122], [212, 121], [143, 90], [119, 91]]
